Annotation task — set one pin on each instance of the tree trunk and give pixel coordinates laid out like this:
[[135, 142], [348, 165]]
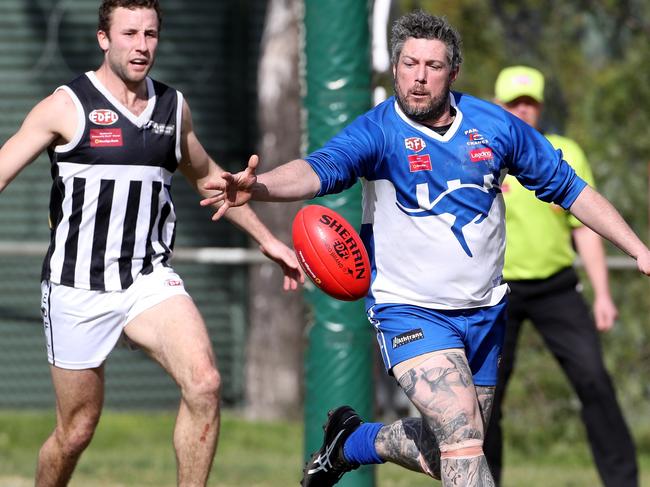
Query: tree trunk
[[277, 319]]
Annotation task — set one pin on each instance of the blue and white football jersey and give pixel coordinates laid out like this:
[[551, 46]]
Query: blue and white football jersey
[[433, 213]]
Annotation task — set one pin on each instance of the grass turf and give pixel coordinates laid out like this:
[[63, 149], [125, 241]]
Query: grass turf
[[134, 449]]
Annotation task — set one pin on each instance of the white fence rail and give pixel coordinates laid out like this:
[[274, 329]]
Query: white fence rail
[[232, 255], [205, 255]]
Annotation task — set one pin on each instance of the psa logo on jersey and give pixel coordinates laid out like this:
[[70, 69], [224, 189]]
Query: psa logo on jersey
[[103, 117]]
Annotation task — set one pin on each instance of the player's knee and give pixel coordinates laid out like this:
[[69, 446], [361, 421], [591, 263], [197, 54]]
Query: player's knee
[[463, 449], [204, 387], [75, 438], [466, 427]]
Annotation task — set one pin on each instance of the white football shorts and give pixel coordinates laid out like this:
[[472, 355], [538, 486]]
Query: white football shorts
[[82, 327]]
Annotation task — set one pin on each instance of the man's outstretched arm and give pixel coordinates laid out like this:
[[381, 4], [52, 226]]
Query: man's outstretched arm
[[592, 209], [293, 181], [197, 166]]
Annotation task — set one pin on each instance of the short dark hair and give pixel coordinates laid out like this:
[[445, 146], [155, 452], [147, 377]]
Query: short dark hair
[[107, 6], [422, 25]]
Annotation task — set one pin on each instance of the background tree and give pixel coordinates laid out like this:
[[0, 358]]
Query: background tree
[[275, 341]]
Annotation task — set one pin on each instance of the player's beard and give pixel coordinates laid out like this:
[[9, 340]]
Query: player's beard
[[430, 112]]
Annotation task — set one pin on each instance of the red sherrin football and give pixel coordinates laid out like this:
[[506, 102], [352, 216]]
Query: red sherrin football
[[331, 253]]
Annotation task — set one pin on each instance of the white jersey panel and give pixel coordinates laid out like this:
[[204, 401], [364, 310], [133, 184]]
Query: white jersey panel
[[433, 270], [81, 121]]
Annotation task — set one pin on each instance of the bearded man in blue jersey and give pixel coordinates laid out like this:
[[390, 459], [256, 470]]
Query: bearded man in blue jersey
[[431, 162]]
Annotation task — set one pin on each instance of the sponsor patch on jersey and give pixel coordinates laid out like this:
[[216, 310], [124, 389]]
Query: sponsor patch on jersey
[[419, 162], [408, 337], [103, 117], [160, 128], [482, 154], [173, 282], [475, 138], [415, 144], [106, 137]]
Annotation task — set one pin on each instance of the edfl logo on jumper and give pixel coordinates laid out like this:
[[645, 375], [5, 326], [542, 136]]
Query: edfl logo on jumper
[[103, 116]]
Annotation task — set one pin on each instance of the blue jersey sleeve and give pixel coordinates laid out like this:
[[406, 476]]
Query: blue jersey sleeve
[[541, 168], [349, 155]]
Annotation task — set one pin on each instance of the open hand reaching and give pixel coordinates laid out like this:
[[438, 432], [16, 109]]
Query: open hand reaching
[[233, 189]]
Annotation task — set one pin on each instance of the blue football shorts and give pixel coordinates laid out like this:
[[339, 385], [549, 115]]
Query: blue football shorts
[[405, 331]]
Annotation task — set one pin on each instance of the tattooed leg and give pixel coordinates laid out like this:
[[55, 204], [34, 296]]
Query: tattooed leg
[[485, 396], [410, 443], [441, 388]]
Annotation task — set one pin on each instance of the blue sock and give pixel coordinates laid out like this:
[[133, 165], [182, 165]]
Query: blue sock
[[360, 445]]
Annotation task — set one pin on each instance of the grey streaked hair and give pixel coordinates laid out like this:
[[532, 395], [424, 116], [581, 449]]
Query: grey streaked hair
[[422, 25]]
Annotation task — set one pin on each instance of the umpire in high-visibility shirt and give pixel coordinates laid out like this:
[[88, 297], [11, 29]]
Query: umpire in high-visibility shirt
[[545, 289]]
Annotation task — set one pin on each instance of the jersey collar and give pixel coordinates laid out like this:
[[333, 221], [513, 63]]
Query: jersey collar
[[139, 120], [426, 130]]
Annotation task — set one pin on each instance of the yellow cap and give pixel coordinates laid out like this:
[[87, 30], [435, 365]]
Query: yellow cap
[[517, 81]]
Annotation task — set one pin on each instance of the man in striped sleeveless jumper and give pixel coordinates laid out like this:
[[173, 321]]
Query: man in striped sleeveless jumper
[[115, 138]]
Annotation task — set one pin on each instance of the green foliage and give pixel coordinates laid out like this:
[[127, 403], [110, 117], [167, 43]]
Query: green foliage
[[482, 53], [613, 119]]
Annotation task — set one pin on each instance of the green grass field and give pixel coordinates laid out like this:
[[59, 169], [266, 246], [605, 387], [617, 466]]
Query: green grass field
[[134, 450]]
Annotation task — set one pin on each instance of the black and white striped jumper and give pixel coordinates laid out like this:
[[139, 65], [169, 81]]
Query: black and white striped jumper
[[111, 211]]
